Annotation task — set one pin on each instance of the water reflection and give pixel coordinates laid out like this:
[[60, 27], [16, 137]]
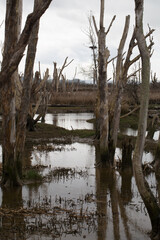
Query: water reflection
[[70, 120], [156, 135], [129, 132], [9, 223], [146, 158], [110, 197], [132, 132], [115, 194], [126, 185]]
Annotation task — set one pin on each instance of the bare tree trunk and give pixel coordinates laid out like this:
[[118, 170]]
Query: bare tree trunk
[[102, 120], [18, 84], [39, 96], [157, 158], [44, 104], [63, 83], [145, 192], [115, 118], [13, 52], [55, 78], [10, 165], [27, 83]]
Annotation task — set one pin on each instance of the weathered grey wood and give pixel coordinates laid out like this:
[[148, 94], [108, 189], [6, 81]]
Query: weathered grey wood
[[10, 164], [17, 53], [143, 187], [27, 83], [13, 53]]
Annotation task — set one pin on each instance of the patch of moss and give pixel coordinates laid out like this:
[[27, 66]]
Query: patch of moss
[[93, 120], [130, 121], [33, 175], [83, 133], [69, 109], [48, 131]]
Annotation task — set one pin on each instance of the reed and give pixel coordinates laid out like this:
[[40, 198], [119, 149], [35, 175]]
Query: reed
[[83, 98]]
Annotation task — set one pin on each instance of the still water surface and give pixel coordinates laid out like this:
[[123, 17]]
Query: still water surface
[[110, 197], [70, 120]]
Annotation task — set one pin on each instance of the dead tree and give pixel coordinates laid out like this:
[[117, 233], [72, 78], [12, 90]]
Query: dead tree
[[55, 78], [115, 109], [143, 187], [10, 164], [27, 82], [63, 83], [58, 75], [121, 78], [39, 98], [102, 116], [13, 53]]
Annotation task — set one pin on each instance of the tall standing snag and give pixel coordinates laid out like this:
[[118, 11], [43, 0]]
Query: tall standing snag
[[102, 118], [145, 192], [10, 165], [27, 82]]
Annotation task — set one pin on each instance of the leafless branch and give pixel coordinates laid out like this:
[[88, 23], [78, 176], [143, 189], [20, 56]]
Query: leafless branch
[[95, 25], [65, 64], [112, 59], [114, 17], [1, 23], [129, 113], [133, 74]]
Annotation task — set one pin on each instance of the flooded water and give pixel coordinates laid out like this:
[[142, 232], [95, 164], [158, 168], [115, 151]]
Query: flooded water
[[77, 200], [107, 202], [70, 120], [79, 121]]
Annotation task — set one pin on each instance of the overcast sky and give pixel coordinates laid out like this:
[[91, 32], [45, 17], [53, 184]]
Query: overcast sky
[[64, 23]]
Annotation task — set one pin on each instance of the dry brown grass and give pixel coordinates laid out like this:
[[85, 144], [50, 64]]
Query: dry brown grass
[[85, 98], [155, 95], [88, 98]]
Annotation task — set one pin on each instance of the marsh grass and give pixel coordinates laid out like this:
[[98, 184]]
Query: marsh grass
[[74, 98], [33, 174]]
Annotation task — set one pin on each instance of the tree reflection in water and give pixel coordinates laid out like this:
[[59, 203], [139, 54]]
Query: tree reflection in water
[[113, 199], [114, 194], [10, 223], [108, 196]]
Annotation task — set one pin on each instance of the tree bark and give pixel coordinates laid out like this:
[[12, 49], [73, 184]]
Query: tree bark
[[17, 53], [116, 110], [145, 192], [27, 83], [102, 120], [10, 165], [13, 52], [55, 78]]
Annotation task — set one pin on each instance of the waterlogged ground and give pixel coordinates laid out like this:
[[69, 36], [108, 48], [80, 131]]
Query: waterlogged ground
[[76, 199], [70, 120]]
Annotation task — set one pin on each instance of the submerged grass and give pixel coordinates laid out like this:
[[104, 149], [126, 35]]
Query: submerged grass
[[48, 131], [129, 121], [32, 174]]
